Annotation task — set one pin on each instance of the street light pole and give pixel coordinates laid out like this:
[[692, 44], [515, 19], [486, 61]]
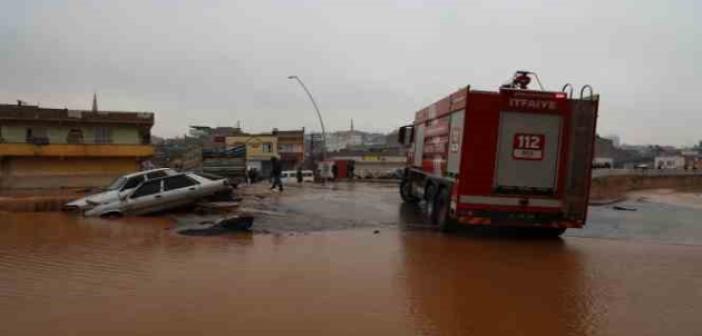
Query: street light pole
[[319, 115]]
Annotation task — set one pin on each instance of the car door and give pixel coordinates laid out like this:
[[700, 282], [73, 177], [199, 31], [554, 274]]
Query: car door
[[179, 190], [146, 198]]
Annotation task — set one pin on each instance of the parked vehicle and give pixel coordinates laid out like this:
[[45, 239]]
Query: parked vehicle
[[120, 187], [229, 163], [162, 194], [290, 176], [516, 157]]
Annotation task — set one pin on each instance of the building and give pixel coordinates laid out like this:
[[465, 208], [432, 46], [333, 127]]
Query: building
[[669, 162], [260, 148], [376, 163], [291, 148], [55, 148], [693, 160], [602, 162]]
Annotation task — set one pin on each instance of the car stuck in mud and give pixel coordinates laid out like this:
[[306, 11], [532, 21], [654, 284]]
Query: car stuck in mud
[[160, 194]]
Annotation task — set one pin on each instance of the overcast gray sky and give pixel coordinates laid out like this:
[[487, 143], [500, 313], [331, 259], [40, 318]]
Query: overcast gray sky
[[216, 62]]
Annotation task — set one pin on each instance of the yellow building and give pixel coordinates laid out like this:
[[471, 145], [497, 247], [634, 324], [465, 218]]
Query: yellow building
[[56, 148], [259, 149]]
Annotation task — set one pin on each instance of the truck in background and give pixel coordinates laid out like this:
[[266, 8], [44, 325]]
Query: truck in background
[[229, 163], [514, 157]]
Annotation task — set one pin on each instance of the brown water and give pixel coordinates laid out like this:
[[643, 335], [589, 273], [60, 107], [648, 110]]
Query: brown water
[[63, 275]]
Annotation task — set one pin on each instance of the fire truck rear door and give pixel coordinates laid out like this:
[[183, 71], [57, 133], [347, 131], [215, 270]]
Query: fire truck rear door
[[527, 153]]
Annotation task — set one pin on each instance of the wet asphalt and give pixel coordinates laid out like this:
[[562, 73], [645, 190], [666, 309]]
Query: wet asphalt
[[349, 205]]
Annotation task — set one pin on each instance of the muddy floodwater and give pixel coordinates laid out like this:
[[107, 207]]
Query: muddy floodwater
[[64, 275]]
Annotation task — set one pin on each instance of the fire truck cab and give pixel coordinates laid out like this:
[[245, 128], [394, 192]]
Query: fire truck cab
[[513, 157]]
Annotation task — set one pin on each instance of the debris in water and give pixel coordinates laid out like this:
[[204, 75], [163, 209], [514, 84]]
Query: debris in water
[[376, 231], [223, 226], [621, 208]]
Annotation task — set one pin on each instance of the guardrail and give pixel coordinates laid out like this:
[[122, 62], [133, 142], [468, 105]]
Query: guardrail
[[596, 173]]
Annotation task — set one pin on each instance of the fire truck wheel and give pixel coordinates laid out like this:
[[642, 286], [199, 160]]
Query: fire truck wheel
[[430, 197], [406, 192], [441, 206]]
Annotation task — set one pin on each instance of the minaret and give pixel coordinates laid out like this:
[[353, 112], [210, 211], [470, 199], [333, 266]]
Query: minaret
[[351, 125], [95, 108]]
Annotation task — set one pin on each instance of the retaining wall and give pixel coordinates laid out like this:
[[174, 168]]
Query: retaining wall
[[616, 186]]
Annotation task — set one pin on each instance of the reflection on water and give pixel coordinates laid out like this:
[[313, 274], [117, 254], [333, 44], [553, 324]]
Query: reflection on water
[[487, 286], [67, 275]]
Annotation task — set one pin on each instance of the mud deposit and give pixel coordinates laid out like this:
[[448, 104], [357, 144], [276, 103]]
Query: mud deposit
[[67, 275]]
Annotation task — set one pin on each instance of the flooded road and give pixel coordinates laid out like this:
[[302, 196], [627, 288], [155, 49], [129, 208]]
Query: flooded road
[[83, 276]]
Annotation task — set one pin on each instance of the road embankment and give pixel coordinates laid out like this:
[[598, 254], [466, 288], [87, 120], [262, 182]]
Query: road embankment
[[607, 188]]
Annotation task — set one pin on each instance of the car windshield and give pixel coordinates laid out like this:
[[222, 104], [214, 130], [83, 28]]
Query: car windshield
[[116, 184]]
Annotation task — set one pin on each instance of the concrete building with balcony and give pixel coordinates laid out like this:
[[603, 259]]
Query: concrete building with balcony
[[58, 148]]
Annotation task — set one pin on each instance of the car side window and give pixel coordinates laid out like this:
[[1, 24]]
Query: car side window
[[133, 182], [177, 182], [148, 188], [156, 174]]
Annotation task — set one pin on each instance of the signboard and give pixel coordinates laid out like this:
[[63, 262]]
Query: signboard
[[526, 146]]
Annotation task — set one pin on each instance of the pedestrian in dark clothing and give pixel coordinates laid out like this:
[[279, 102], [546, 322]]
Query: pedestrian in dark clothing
[[299, 174], [335, 171], [276, 172], [252, 175]]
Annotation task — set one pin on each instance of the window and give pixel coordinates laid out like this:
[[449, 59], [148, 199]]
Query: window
[[177, 182], [148, 188], [117, 184], [133, 182], [156, 174], [266, 148], [103, 135], [75, 136], [37, 136]]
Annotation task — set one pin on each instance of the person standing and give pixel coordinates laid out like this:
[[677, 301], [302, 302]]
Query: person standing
[[299, 174], [276, 172]]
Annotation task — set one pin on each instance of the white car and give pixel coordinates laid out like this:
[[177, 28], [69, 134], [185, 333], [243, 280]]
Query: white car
[[290, 176], [161, 194], [123, 185]]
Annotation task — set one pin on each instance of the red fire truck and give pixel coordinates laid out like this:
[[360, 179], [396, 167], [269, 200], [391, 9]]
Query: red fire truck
[[514, 157]]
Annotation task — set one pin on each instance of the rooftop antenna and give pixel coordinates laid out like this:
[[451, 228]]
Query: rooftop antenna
[[95, 106]]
